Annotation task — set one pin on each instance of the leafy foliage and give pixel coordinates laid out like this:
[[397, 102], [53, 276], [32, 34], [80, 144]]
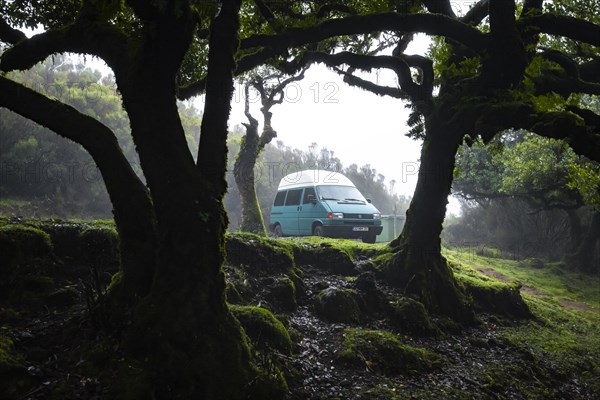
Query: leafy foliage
[[544, 171], [58, 176]]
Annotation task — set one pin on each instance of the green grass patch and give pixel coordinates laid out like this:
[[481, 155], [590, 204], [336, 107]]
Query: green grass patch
[[554, 280], [565, 330]]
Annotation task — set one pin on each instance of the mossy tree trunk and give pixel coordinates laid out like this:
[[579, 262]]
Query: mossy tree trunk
[[243, 171], [183, 333], [417, 265], [252, 145], [179, 332]]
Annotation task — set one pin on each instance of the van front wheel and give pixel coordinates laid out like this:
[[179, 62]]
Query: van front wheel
[[369, 238], [277, 231], [318, 230]]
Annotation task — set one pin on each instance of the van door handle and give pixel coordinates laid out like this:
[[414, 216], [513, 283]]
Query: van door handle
[[299, 208]]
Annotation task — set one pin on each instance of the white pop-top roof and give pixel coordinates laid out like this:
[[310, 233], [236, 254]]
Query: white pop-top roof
[[313, 177]]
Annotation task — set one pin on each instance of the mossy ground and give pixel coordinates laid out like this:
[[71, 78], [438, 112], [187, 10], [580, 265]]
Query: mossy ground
[[552, 354], [382, 351], [565, 328]]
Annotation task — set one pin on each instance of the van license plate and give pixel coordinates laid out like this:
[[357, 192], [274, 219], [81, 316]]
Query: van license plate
[[360, 228]]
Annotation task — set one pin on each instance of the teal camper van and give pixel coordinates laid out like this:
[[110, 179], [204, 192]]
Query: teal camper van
[[323, 203]]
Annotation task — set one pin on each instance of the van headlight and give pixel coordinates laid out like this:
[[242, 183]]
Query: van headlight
[[335, 215], [376, 216]]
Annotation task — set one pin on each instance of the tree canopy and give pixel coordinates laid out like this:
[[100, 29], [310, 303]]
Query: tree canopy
[[501, 65]]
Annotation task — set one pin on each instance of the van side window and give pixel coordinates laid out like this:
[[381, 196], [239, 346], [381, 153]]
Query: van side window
[[293, 197], [280, 198], [308, 191]]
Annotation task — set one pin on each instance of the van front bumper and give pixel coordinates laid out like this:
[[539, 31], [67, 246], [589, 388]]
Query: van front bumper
[[348, 232]]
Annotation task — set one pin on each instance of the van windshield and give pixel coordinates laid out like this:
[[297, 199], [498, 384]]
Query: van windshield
[[340, 193]]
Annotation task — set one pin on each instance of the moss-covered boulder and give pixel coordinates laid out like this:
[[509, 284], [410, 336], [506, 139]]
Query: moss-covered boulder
[[19, 243], [338, 305], [381, 351], [265, 331], [25, 250], [326, 256], [13, 374], [410, 316], [27, 261], [268, 384], [498, 298], [82, 241], [100, 245], [374, 300], [260, 254], [282, 294]]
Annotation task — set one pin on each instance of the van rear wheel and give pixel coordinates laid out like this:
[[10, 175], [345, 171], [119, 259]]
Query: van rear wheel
[[318, 230], [369, 238]]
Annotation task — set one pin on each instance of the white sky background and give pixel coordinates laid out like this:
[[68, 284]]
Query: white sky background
[[359, 126]]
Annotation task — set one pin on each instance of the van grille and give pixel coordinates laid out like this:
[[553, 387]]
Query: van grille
[[358, 216], [359, 223]]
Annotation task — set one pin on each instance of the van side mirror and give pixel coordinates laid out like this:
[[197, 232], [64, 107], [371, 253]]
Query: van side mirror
[[369, 201], [312, 198]]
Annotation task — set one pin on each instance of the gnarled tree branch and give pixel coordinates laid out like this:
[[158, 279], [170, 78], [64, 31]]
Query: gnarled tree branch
[[85, 36], [379, 90], [433, 24], [561, 25], [477, 13], [580, 130], [10, 35], [397, 64]]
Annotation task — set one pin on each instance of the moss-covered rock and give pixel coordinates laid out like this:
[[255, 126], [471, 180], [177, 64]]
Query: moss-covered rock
[[268, 384], [259, 253], [498, 298], [263, 328], [20, 243], [326, 256], [81, 241], [382, 351], [26, 253], [410, 317], [282, 294], [374, 300], [13, 374], [100, 245], [338, 305]]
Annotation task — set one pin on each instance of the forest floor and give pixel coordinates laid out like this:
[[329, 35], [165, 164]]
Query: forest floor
[[54, 349]]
